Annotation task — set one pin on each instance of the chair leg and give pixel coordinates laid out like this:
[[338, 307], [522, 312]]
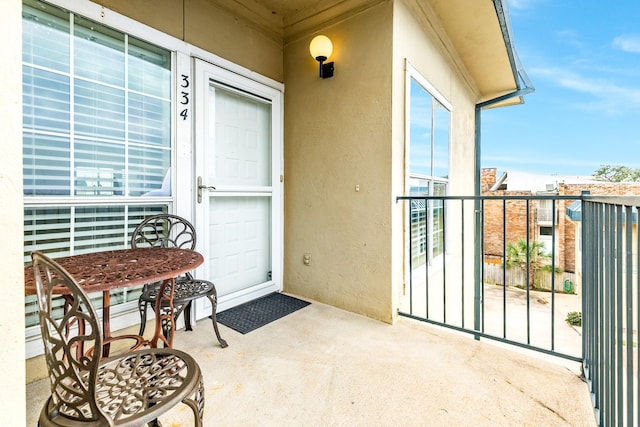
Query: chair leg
[[187, 317], [142, 308], [196, 403], [214, 306], [168, 329]]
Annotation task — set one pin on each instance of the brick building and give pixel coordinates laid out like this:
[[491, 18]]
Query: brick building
[[543, 214]]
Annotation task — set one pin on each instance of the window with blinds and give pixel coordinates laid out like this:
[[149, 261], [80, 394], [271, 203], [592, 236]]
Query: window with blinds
[[429, 122], [96, 135]]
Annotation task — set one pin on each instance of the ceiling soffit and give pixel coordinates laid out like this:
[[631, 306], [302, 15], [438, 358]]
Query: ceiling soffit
[[472, 28]]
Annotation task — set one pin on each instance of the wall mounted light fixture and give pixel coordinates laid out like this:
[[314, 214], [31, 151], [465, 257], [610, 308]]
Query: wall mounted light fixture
[[321, 49]]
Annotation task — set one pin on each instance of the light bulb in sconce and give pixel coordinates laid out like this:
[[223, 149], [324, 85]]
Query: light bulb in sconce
[[321, 49]]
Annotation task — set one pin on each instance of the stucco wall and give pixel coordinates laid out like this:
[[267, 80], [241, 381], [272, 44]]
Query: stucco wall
[[210, 27], [337, 136], [12, 391], [348, 131], [419, 39]]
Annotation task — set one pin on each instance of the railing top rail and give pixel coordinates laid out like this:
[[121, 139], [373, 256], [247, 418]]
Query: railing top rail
[[614, 200], [513, 197]]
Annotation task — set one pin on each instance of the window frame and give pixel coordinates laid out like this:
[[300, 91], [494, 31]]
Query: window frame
[[412, 74], [123, 314]]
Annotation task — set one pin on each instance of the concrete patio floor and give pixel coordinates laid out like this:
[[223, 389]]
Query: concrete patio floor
[[322, 366]]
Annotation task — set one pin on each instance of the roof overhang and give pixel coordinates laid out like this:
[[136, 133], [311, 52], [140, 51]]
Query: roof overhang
[[479, 31]]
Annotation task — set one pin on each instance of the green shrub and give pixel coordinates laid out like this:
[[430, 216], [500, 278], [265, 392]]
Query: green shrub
[[574, 318]]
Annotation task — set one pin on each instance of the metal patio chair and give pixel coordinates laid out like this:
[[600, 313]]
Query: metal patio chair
[[167, 231], [128, 390]]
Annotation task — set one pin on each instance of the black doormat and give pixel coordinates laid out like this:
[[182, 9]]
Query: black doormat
[[254, 314]]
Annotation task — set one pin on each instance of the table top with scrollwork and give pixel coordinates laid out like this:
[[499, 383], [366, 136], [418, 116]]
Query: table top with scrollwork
[[103, 271]]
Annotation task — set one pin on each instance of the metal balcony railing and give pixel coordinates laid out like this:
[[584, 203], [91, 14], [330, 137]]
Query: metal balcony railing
[[611, 302], [593, 252]]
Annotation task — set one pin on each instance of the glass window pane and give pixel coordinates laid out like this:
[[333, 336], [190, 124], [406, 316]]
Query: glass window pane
[[100, 228], [439, 188], [418, 232], [99, 111], [437, 226], [149, 120], [31, 309], [98, 52], [418, 187], [45, 100], [48, 230], [441, 122], [149, 172], [421, 127], [46, 165], [52, 229], [45, 36], [546, 231], [99, 168], [149, 69], [137, 214]]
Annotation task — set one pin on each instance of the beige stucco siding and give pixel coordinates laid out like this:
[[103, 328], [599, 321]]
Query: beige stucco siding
[[420, 40], [12, 392], [163, 15], [337, 136], [212, 28]]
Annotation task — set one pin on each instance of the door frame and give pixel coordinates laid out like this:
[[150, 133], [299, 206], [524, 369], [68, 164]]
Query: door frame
[[204, 73]]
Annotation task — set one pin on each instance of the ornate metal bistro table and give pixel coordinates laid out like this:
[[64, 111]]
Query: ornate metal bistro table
[[109, 270]]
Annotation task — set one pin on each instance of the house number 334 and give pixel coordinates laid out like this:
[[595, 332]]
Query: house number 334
[[184, 96]]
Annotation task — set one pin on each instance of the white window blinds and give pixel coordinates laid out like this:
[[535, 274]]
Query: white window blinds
[[97, 108], [97, 135]]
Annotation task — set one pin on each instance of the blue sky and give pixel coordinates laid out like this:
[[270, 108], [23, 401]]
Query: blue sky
[[583, 57]]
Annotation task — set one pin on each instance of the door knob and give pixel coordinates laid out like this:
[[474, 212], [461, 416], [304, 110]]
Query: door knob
[[203, 187]]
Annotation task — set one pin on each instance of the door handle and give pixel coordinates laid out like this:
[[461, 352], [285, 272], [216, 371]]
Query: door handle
[[203, 187]]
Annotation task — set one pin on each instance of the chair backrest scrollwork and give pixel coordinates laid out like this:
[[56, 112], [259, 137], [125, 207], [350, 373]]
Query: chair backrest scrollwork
[[164, 230], [72, 371]]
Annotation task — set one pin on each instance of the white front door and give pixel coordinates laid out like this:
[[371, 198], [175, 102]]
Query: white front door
[[238, 164]]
